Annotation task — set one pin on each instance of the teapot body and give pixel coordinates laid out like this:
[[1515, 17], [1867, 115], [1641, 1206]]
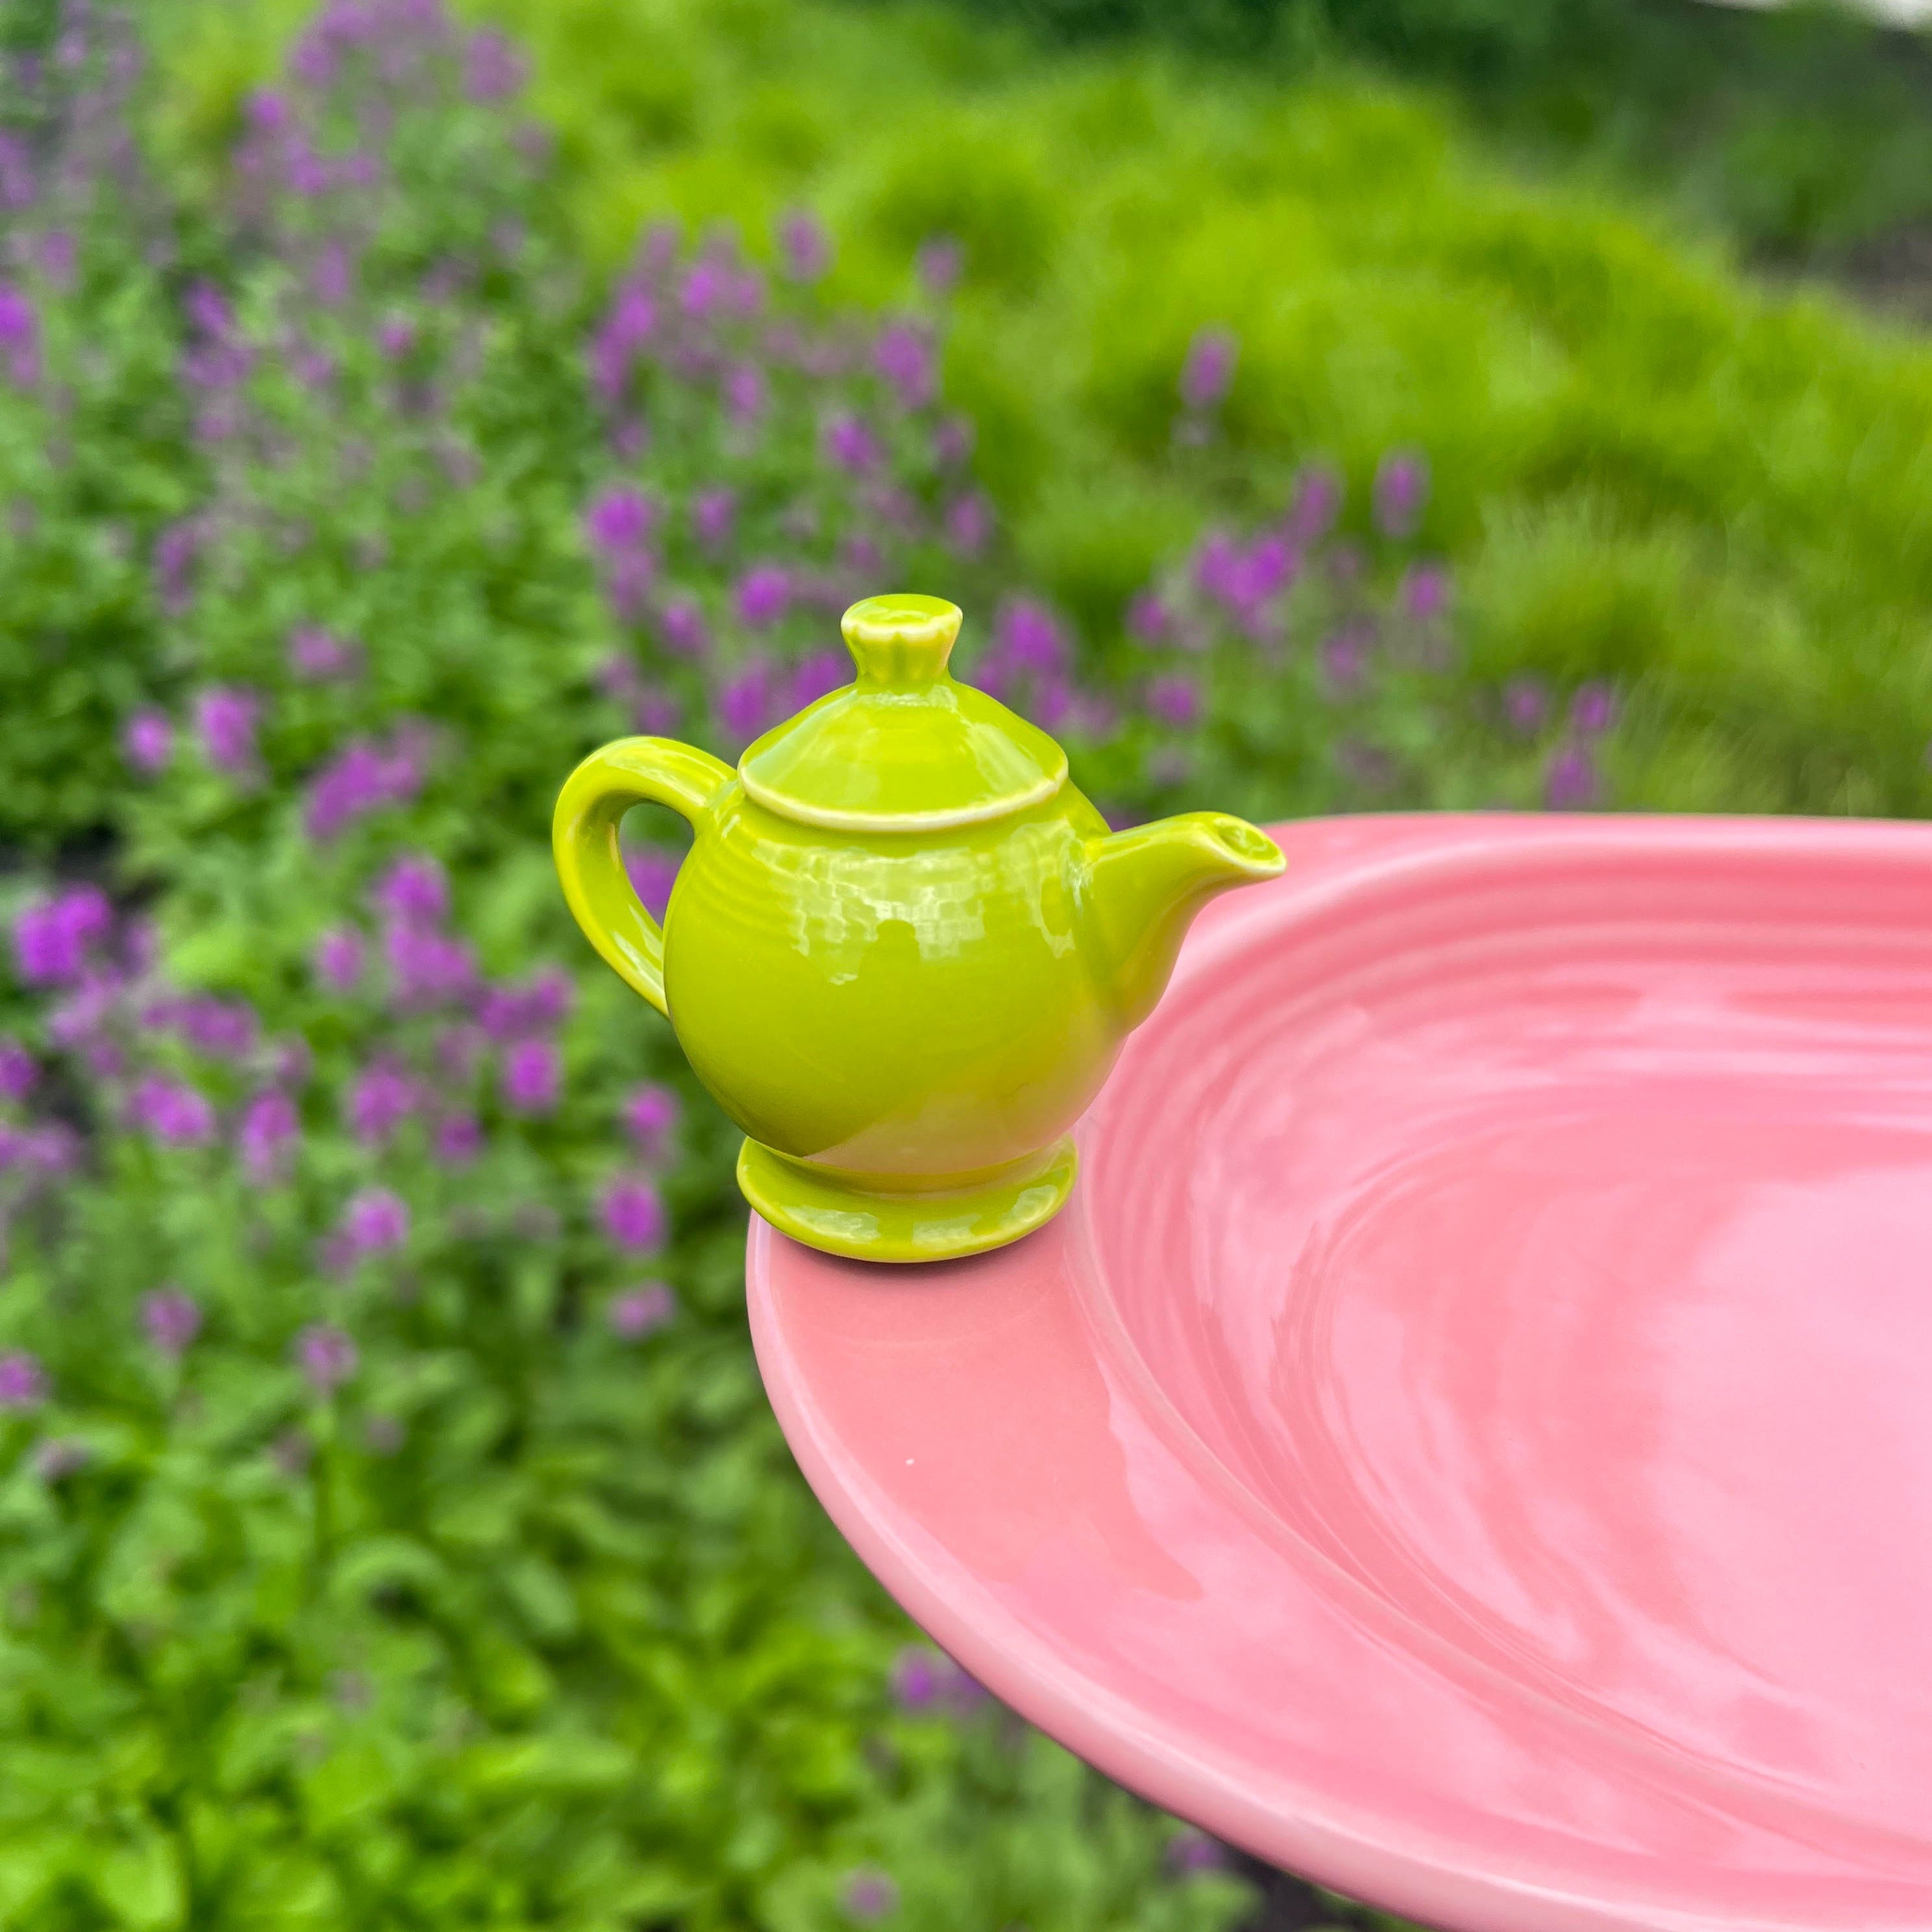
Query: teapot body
[[910, 1007], [904, 951]]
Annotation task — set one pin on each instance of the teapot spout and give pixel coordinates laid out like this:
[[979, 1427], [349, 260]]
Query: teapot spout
[[1146, 884]]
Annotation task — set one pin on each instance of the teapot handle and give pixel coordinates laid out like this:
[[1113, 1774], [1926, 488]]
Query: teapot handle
[[583, 835]]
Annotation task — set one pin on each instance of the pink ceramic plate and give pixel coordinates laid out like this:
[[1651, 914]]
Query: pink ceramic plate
[[1469, 1440]]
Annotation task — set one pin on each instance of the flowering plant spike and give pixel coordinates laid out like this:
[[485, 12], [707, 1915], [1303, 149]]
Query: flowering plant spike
[[904, 950]]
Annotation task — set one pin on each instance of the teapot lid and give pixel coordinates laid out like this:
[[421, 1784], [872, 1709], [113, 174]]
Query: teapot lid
[[904, 748]]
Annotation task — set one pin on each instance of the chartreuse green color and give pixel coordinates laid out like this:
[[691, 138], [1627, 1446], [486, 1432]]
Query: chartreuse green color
[[904, 951]]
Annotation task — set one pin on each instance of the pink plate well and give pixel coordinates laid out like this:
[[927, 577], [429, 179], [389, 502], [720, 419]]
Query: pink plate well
[[1468, 1440]]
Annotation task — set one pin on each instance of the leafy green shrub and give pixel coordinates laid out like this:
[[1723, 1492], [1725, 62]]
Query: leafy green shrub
[[1803, 133], [92, 469], [392, 1530], [1596, 392]]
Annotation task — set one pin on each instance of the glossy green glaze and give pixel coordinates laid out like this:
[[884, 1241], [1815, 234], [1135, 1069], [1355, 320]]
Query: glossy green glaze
[[904, 951]]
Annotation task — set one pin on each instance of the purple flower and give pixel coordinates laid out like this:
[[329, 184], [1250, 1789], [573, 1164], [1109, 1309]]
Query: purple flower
[[804, 247], [656, 713], [1148, 618], [850, 444], [147, 742], [1243, 579], [683, 628], [1192, 1851], [619, 519], [869, 1895], [16, 173], [364, 777], [59, 258], [173, 1112], [969, 523], [1174, 700], [1344, 659], [1424, 592], [43, 1152], [512, 1012], [1402, 489], [653, 872], [375, 1219], [903, 355], [745, 392], [1593, 710], [228, 1028], [634, 1216], [1027, 638], [1570, 783], [630, 325], [764, 596], [395, 337], [338, 958], [427, 969], [208, 310], [1207, 371], [19, 336], [269, 1128], [532, 1076], [637, 1312], [18, 1070], [951, 441], [326, 1357], [318, 655], [51, 939], [628, 577], [493, 69], [414, 890], [712, 512], [23, 1382], [818, 673], [616, 677], [171, 1319], [458, 1138], [1318, 502], [938, 265], [919, 1677], [382, 1097], [174, 554], [745, 703], [649, 1113], [1526, 705], [458, 1049], [289, 1060], [333, 275], [225, 717]]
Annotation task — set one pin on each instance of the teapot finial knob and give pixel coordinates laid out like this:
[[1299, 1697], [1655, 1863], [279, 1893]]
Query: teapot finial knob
[[900, 641]]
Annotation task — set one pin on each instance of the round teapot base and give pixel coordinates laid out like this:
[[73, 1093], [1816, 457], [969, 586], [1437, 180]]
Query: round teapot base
[[839, 1214]]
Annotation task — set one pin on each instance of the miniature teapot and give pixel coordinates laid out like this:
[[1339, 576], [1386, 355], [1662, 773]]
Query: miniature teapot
[[904, 951]]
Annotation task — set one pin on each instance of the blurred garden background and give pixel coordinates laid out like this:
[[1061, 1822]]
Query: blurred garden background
[[1316, 405]]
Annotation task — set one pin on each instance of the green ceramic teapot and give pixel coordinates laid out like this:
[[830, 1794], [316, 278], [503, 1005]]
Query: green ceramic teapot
[[903, 951]]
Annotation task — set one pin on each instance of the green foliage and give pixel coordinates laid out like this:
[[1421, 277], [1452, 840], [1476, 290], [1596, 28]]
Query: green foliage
[[1802, 133], [1598, 390], [393, 1531], [92, 465]]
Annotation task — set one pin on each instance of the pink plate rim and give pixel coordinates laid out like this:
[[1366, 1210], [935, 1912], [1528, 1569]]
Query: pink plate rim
[[1413, 1781]]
